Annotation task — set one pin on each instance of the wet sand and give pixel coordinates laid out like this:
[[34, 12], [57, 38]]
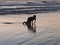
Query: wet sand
[[47, 30]]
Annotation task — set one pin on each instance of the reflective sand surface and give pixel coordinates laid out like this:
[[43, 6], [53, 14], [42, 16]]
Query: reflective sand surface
[[47, 30]]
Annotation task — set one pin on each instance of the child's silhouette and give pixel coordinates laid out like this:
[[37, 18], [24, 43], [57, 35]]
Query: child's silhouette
[[30, 20]]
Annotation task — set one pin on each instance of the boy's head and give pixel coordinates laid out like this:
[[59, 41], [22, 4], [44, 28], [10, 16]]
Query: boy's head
[[34, 15]]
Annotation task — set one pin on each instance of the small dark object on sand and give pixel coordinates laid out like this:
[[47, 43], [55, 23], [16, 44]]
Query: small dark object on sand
[[8, 23]]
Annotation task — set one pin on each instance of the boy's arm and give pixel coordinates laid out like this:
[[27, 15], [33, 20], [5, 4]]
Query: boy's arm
[[35, 20]]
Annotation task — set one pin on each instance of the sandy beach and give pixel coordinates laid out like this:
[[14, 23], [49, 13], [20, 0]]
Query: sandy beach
[[47, 30]]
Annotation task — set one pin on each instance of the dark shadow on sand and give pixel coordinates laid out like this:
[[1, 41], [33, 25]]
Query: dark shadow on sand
[[8, 23]]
